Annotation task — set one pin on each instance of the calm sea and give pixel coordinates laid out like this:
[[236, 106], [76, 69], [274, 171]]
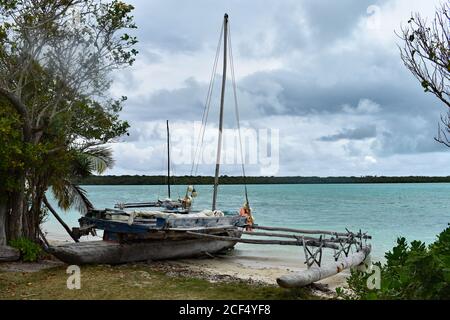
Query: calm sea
[[385, 211]]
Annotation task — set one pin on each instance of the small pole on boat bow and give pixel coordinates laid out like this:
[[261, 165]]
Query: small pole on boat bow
[[222, 97], [168, 159]]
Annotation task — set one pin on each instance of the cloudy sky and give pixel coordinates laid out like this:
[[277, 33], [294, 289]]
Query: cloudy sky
[[325, 78]]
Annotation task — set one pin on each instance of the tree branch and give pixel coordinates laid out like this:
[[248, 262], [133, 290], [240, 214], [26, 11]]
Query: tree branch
[[22, 110]]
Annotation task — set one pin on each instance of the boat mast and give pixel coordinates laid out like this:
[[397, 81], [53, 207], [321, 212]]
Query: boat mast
[[222, 97], [168, 159]]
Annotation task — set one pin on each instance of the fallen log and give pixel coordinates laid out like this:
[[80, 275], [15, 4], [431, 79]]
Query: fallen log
[[315, 273], [312, 243]]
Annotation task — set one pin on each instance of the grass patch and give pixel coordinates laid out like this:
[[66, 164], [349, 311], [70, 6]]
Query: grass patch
[[133, 282]]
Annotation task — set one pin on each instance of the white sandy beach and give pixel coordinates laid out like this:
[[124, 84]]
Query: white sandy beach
[[251, 269]]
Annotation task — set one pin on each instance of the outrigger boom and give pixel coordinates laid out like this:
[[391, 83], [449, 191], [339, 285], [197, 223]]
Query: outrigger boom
[[340, 242]]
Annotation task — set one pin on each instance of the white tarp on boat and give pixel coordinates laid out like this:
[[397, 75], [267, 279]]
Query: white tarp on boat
[[161, 214]]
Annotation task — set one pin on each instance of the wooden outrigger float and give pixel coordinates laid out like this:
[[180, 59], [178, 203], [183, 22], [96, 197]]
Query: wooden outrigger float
[[171, 229], [317, 273]]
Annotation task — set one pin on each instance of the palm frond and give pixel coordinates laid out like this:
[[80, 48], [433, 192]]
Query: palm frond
[[81, 201], [61, 193], [100, 158], [81, 166], [71, 195]]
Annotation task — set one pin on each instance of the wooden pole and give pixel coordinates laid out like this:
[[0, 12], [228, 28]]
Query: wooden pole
[[292, 236], [137, 205], [222, 98], [168, 159], [332, 233], [61, 221], [312, 243], [314, 274]]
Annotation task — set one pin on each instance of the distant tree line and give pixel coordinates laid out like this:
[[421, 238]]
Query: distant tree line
[[198, 180]]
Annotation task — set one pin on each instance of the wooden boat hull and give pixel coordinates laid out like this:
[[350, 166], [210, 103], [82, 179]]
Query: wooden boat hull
[[106, 252]]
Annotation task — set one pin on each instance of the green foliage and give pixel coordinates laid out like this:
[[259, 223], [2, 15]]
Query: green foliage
[[412, 271], [12, 153], [56, 59], [29, 250], [94, 121]]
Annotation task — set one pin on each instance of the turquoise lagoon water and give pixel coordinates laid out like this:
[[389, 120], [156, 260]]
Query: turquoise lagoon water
[[386, 211]]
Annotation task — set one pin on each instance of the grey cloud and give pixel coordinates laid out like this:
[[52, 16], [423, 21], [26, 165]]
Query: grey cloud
[[325, 85], [331, 20], [184, 103], [314, 81], [405, 141], [352, 134], [182, 26], [307, 26]]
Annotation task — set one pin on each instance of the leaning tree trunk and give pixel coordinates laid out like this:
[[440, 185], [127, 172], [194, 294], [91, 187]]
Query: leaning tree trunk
[[3, 221], [33, 217], [15, 227], [18, 225]]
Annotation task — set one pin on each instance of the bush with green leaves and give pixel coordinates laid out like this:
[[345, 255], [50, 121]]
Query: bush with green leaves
[[411, 271], [29, 250]]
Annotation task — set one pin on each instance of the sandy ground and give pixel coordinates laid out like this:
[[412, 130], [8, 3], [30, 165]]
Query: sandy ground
[[250, 269]]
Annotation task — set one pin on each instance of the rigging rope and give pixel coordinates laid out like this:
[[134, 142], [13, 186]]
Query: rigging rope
[[200, 141], [236, 108], [201, 136]]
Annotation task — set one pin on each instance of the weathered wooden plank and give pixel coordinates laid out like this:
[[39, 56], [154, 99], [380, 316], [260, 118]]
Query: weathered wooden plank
[[313, 274], [137, 204], [8, 254], [116, 226], [154, 204]]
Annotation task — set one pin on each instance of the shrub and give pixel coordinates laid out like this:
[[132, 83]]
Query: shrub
[[411, 271], [29, 250]]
